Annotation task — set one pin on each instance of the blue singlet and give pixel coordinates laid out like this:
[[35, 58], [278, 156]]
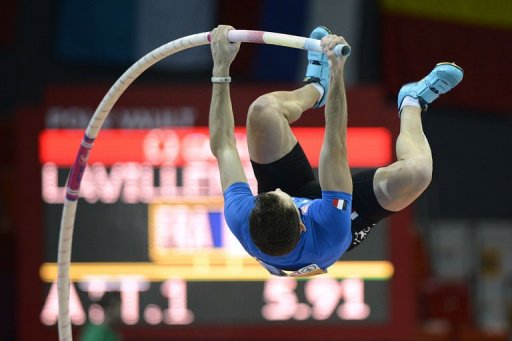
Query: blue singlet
[[327, 236]]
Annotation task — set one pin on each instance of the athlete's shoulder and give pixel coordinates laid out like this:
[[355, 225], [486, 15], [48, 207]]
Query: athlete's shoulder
[[238, 188]]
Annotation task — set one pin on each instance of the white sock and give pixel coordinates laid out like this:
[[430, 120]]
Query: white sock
[[319, 88], [410, 101]]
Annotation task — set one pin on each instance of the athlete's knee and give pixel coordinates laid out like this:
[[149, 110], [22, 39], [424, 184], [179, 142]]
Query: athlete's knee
[[420, 172], [399, 184], [264, 106], [263, 110]]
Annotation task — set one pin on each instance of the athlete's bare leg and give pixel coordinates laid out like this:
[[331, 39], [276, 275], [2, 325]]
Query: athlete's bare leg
[[399, 184], [269, 136]]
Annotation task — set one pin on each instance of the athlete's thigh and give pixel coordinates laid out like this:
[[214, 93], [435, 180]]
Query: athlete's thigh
[[269, 136], [292, 173]]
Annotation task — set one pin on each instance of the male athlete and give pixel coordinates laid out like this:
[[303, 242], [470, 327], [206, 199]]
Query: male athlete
[[298, 225]]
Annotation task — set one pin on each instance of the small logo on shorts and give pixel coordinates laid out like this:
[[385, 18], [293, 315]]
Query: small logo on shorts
[[340, 204]]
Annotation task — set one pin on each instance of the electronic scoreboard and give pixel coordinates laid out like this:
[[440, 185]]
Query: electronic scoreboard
[[150, 225]]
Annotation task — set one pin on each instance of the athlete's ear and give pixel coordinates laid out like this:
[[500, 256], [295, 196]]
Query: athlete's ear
[[302, 227]]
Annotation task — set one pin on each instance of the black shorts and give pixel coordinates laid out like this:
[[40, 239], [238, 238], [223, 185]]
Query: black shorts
[[294, 175]]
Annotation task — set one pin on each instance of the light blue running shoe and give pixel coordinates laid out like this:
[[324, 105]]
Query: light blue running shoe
[[318, 70], [443, 78]]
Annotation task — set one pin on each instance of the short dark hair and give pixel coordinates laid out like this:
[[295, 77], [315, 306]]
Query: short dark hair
[[274, 226]]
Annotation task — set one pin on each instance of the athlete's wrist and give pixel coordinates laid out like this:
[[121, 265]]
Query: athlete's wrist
[[220, 71]]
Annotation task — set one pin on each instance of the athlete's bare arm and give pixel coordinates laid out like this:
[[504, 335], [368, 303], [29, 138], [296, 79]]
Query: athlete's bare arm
[[221, 122], [333, 170]]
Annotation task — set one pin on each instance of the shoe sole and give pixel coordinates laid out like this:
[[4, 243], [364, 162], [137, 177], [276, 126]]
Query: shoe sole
[[449, 76], [452, 64], [313, 79], [446, 78], [325, 28], [318, 62]]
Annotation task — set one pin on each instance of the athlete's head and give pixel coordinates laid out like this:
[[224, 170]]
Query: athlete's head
[[275, 223]]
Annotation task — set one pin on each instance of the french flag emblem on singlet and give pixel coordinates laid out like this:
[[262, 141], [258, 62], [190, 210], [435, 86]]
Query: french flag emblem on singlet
[[340, 204]]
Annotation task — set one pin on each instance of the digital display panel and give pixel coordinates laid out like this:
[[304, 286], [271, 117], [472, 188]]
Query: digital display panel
[[150, 225]]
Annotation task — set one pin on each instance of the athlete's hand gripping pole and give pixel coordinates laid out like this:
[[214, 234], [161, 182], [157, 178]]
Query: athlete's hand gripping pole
[[280, 39]]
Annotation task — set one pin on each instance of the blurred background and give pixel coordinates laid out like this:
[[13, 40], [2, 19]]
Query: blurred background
[[451, 251]]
